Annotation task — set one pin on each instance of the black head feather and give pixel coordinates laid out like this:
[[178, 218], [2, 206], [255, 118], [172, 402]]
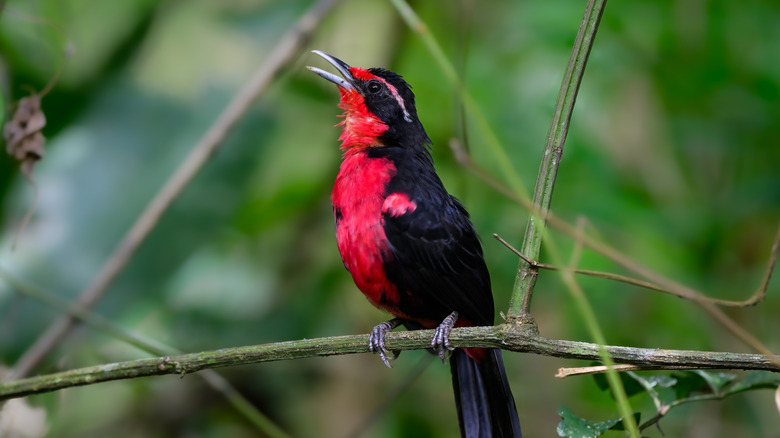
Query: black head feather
[[404, 127]]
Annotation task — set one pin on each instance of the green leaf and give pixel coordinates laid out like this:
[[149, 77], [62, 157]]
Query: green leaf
[[755, 380], [632, 386], [661, 381], [657, 387], [572, 426], [716, 381], [688, 382]]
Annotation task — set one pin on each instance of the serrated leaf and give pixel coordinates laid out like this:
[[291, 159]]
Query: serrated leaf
[[716, 381], [657, 387], [659, 381], [688, 382], [572, 426]]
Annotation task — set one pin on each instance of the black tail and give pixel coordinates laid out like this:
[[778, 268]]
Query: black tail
[[485, 404]]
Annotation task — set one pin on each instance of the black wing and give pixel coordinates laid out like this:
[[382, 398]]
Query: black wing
[[438, 257]]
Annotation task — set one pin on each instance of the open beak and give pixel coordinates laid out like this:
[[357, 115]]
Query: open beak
[[345, 82]]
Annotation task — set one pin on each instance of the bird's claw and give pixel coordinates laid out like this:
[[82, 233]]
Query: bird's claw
[[376, 341], [441, 336]]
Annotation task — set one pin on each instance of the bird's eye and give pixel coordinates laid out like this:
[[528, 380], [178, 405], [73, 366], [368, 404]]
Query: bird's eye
[[374, 87]]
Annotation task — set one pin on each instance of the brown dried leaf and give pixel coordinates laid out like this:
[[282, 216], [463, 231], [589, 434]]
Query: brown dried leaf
[[25, 142], [23, 137]]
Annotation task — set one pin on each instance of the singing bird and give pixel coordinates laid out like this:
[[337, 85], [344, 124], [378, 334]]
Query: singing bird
[[410, 245]]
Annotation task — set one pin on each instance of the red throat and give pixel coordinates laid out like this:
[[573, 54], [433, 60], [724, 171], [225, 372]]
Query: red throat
[[361, 127]]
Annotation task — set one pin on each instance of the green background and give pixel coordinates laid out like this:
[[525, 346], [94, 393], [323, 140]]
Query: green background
[[673, 157]]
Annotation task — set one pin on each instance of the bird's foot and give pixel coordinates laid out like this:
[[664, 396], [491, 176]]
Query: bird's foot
[[441, 337], [376, 341]]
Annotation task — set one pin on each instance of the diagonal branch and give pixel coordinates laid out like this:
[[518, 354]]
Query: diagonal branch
[[95, 321], [507, 336], [284, 52], [634, 266]]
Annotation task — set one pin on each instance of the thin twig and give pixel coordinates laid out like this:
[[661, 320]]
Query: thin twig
[[680, 290], [284, 52], [664, 409], [600, 369], [758, 296], [587, 272], [507, 336]]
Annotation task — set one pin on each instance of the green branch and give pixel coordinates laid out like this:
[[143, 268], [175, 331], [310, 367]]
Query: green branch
[[508, 336], [553, 150]]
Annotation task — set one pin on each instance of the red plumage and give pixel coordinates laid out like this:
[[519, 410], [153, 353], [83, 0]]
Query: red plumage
[[357, 204]]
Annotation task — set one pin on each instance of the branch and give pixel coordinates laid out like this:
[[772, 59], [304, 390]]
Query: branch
[[519, 338]]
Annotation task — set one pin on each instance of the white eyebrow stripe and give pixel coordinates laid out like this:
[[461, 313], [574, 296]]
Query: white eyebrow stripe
[[398, 98]]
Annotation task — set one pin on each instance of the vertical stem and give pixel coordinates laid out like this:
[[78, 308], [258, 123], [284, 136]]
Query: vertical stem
[[520, 303]]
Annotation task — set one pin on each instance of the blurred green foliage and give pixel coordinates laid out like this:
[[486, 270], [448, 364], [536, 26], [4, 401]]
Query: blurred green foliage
[[672, 157]]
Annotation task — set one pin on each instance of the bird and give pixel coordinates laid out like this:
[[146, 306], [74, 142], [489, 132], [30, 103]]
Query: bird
[[409, 245]]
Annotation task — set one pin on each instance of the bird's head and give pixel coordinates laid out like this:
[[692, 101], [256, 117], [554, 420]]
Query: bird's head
[[378, 107]]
